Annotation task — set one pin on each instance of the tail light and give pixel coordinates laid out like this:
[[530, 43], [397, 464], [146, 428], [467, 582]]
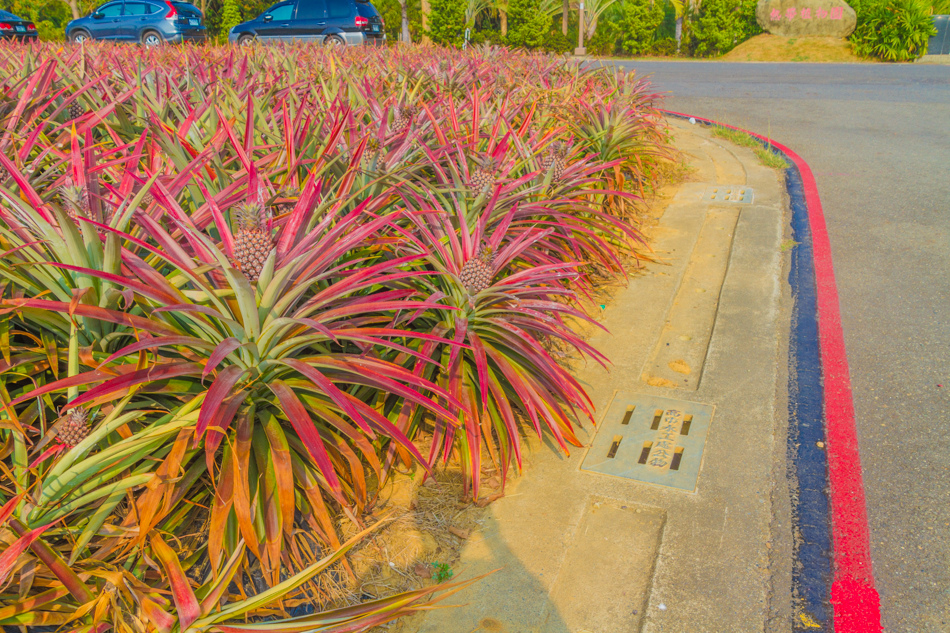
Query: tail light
[[172, 11], [30, 27], [6, 26], [361, 21]]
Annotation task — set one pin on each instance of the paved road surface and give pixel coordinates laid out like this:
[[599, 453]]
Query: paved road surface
[[878, 140]]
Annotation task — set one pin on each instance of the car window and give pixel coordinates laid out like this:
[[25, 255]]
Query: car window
[[4, 15], [137, 8], [311, 10], [187, 10], [338, 9], [281, 12], [113, 10]]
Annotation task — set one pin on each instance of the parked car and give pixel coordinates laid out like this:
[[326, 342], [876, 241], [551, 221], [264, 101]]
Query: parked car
[[150, 22], [14, 28], [330, 22]]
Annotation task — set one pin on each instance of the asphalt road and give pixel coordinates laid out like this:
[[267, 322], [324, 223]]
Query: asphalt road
[[877, 138]]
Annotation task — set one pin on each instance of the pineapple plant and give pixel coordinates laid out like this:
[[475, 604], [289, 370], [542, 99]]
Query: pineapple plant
[[75, 200], [73, 427], [477, 273], [253, 241], [555, 159], [402, 117], [483, 178]]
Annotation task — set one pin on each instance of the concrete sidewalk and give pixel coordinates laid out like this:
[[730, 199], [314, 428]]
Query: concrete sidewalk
[[675, 518]]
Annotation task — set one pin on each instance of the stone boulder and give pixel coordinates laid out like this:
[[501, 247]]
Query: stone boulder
[[804, 18]]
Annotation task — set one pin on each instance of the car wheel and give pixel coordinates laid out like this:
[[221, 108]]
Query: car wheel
[[151, 38], [334, 41], [246, 40], [79, 37]]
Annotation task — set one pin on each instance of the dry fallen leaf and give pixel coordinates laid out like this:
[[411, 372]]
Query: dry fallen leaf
[[484, 501], [422, 570], [459, 532]]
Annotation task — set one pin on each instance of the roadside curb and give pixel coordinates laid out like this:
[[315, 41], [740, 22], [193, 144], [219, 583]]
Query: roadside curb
[[826, 455]]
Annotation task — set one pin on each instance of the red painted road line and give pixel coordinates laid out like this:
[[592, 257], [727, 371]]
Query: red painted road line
[[857, 606]]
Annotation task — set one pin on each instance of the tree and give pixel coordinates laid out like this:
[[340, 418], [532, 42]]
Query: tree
[[231, 16], [404, 34], [447, 22], [528, 24], [638, 24], [592, 11]]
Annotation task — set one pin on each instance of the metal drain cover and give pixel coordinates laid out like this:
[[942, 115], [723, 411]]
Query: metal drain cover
[[738, 194], [651, 439]]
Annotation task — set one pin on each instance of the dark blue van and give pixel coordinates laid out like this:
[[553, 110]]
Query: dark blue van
[[327, 22], [150, 22]]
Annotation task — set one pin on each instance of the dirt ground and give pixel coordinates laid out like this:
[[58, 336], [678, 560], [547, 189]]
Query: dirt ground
[[773, 48]]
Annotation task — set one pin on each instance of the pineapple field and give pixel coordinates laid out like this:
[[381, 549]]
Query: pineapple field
[[241, 288]]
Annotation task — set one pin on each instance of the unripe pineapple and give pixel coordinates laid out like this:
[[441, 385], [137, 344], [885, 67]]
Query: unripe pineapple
[[402, 117], [483, 178], [252, 240], [74, 427], [502, 87], [477, 273], [75, 200], [555, 159], [372, 152], [289, 197], [76, 110]]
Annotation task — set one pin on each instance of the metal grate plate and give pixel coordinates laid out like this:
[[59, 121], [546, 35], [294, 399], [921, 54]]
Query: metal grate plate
[[651, 439], [737, 194]]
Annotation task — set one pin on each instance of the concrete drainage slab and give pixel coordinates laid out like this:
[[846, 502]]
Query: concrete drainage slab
[[651, 439], [739, 194]]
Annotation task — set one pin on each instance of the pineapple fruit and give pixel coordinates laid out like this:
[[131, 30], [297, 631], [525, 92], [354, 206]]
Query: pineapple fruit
[[555, 159], [74, 427], [402, 117], [75, 199], [372, 152], [253, 241], [76, 110], [483, 178], [477, 273]]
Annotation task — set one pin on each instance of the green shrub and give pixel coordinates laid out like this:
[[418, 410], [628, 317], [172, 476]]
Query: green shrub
[[231, 17], [556, 42], [665, 47], [638, 24], [49, 32], [527, 25], [447, 22], [893, 30], [941, 7], [721, 25]]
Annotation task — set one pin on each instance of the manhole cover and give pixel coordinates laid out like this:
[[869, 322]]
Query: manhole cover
[[651, 439], [739, 194]]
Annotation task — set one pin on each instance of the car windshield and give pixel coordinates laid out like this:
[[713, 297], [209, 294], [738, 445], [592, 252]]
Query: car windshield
[[185, 6], [6, 15]]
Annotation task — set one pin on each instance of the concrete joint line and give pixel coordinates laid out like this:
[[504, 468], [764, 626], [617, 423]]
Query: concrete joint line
[[680, 352]]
